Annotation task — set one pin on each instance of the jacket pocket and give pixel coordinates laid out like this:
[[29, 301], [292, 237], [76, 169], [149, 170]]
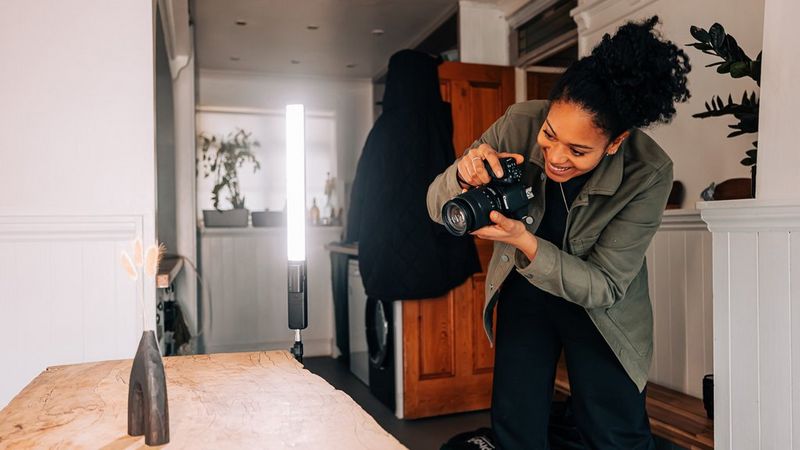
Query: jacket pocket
[[582, 246]]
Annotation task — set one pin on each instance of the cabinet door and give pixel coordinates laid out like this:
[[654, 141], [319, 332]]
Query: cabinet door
[[447, 359]]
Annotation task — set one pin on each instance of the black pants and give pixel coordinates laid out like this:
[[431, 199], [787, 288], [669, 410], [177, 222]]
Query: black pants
[[532, 329]]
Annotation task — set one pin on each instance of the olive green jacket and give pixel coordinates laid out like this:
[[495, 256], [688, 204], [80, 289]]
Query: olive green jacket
[[609, 228]]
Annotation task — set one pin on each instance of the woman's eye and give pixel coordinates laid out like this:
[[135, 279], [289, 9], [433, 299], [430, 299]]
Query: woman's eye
[[548, 136], [577, 153]]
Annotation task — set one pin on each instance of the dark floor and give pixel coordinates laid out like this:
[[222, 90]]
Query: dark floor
[[418, 434]]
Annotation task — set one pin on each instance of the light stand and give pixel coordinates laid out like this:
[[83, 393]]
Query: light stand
[[296, 224]]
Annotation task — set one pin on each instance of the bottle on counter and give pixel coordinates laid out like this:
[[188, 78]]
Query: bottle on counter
[[313, 213]]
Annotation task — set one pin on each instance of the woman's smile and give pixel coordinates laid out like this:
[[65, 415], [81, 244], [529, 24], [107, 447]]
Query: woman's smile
[[558, 171]]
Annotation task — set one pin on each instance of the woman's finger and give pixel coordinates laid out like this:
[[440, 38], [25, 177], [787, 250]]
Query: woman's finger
[[480, 170], [494, 163], [502, 221]]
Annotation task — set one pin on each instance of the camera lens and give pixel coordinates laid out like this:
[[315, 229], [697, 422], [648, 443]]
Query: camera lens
[[456, 218]]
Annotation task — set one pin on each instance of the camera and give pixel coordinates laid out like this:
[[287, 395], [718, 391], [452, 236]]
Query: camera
[[470, 211]]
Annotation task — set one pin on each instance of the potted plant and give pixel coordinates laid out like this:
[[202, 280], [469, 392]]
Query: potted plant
[[735, 62], [222, 157]]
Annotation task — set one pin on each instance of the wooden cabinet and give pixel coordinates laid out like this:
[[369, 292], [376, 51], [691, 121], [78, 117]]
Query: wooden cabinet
[[447, 360]]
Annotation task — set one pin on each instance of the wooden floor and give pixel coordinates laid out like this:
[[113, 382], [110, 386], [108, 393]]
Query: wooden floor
[[674, 416]]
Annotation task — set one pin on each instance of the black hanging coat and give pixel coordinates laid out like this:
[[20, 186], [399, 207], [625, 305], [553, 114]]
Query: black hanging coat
[[402, 253]]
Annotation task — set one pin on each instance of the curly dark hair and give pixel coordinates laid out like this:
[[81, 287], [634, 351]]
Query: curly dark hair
[[630, 80]]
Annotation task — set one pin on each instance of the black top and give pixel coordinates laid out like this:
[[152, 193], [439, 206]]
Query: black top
[[552, 228], [554, 222]]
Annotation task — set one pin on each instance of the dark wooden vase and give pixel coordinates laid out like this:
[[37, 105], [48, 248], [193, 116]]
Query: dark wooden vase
[[148, 412]]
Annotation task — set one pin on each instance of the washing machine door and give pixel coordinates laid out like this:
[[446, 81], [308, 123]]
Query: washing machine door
[[378, 319]]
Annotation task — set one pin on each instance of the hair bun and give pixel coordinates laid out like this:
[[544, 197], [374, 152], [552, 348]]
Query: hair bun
[[645, 74], [630, 80]]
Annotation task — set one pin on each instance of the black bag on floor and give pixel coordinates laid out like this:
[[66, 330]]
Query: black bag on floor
[[480, 439], [562, 432]]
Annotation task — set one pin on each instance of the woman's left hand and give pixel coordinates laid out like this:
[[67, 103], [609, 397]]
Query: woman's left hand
[[509, 231]]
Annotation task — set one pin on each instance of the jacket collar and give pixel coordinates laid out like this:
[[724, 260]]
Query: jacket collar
[[607, 176]]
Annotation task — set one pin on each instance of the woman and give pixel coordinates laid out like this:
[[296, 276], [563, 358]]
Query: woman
[[572, 272]]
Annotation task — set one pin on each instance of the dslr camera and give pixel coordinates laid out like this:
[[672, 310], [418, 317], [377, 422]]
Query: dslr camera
[[470, 211]]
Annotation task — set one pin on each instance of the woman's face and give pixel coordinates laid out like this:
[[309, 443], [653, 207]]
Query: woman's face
[[571, 143]]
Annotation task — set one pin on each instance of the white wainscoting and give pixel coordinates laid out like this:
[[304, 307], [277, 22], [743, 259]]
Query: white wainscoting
[[756, 256], [64, 298], [244, 270], [679, 271]]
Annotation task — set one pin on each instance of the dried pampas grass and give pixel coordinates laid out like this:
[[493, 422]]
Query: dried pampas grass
[[153, 257], [138, 254], [127, 264]]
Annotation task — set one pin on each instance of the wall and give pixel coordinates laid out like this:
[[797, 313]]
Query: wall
[[78, 180], [680, 279], [778, 157], [482, 34], [350, 101], [698, 147]]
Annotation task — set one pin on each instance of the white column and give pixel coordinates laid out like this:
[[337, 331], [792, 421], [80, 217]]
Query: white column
[[482, 33], [779, 152]]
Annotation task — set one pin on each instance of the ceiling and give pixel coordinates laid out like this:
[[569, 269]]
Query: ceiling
[[276, 33]]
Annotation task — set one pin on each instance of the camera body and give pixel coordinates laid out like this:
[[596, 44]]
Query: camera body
[[470, 211]]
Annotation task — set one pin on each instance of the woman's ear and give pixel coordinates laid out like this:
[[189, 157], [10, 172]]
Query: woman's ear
[[613, 147]]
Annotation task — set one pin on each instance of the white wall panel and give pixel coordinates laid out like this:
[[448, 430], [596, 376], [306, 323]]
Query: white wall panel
[[246, 280], [722, 332], [63, 295], [794, 307], [774, 339], [680, 284], [744, 339]]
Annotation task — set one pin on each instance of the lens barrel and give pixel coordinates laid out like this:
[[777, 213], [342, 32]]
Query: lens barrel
[[470, 210]]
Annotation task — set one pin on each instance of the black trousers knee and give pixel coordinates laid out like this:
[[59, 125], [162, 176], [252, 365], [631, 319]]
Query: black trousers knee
[[532, 330]]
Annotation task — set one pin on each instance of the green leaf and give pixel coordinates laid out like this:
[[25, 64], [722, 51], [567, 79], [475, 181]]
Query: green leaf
[[717, 35], [740, 69]]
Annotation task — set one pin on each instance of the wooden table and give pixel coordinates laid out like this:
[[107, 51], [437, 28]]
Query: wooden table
[[231, 400]]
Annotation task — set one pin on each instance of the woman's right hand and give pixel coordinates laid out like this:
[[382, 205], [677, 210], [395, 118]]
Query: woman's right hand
[[471, 170]]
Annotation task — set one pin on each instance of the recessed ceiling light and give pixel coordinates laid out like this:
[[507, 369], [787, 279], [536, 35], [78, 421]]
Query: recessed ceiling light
[[350, 66], [313, 27], [235, 58], [241, 23], [377, 31], [294, 61]]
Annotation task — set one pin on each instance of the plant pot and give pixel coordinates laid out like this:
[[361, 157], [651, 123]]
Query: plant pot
[[734, 189], [268, 218], [227, 218]]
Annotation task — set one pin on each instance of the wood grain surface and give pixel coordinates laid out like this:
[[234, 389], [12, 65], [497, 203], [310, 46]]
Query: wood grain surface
[[231, 400]]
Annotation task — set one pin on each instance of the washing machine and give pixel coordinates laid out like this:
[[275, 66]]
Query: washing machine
[[376, 342]]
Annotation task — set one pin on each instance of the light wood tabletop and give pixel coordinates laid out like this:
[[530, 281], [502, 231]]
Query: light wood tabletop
[[231, 400]]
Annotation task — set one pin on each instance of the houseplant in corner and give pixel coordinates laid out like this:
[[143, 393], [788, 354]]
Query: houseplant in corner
[[222, 157], [735, 62]]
